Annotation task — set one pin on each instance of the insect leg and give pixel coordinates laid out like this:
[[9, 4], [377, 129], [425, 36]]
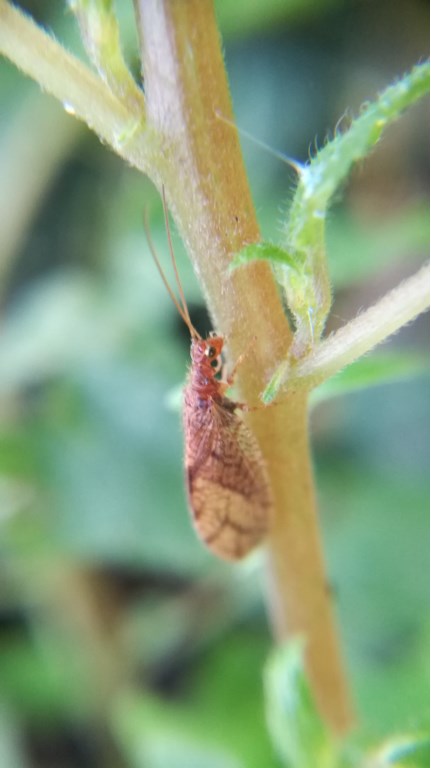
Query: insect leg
[[229, 380]]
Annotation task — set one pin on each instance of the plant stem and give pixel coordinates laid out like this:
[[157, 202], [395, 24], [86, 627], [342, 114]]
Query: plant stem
[[395, 309], [197, 157], [81, 92], [202, 170], [299, 594]]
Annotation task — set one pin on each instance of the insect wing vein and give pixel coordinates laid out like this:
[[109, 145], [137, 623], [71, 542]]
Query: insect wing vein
[[227, 482]]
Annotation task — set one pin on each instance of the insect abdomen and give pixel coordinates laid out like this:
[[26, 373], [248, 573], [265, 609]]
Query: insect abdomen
[[227, 483]]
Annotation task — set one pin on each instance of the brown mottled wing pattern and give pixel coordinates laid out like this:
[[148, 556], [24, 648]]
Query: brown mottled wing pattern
[[226, 479]]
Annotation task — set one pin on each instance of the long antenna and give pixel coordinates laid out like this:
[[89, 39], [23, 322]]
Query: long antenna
[[173, 260], [181, 308], [295, 164]]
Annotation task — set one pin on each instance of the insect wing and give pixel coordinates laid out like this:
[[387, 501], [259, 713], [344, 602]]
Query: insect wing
[[227, 483]]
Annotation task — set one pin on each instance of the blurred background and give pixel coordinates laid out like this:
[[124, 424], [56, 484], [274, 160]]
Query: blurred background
[[122, 642]]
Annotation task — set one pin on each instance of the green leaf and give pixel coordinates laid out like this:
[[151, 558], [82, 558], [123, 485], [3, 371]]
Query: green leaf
[[304, 231], [331, 165], [298, 732], [275, 382], [155, 735], [411, 751], [379, 368], [265, 251]]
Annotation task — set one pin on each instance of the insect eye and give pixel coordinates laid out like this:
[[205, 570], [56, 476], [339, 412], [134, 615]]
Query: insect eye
[[210, 351]]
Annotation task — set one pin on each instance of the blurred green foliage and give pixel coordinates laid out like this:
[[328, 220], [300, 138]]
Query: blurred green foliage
[[123, 643]]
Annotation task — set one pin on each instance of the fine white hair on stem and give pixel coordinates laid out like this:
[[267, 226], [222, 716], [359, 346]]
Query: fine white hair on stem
[[400, 306]]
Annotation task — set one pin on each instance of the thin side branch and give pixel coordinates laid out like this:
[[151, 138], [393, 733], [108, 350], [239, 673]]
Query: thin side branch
[[101, 36], [81, 92], [398, 307]]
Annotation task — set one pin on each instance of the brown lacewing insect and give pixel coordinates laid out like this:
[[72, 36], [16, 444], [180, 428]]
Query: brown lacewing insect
[[227, 483]]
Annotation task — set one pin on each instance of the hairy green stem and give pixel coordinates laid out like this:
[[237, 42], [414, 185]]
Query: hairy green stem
[[101, 36], [395, 309], [82, 93]]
